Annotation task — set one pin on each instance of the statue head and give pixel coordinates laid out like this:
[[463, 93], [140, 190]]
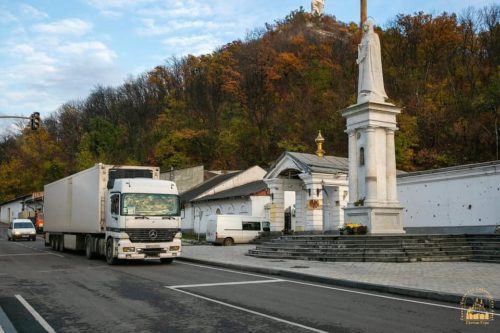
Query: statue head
[[368, 26]]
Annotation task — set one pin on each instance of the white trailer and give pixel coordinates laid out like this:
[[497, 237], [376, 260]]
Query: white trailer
[[121, 212]]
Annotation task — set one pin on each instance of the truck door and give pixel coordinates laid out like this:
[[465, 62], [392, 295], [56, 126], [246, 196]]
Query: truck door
[[114, 212]]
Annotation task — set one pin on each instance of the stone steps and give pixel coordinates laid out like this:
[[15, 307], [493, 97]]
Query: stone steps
[[400, 248]]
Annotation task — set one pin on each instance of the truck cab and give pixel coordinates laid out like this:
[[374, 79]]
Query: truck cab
[[143, 219]]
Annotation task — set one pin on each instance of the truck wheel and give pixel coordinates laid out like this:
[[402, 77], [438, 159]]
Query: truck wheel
[[53, 243], [109, 253], [166, 260], [228, 241], [88, 248]]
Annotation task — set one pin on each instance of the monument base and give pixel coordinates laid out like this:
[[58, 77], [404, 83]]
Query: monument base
[[378, 219]]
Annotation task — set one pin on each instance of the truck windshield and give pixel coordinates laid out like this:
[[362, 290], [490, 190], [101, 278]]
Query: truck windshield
[[144, 204]]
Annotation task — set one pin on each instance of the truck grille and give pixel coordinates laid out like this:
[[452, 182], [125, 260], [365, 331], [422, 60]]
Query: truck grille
[[151, 235]]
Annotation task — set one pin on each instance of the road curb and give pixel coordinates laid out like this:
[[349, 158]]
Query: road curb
[[410, 292]]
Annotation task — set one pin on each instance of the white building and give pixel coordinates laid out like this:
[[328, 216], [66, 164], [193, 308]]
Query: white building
[[232, 193], [10, 210], [461, 199], [320, 186]]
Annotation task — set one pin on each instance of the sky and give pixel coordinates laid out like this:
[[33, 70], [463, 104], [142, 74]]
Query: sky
[[55, 51]]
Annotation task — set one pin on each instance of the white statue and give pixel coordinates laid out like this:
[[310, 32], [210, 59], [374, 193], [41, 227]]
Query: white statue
[[371, 79], [317, 7]]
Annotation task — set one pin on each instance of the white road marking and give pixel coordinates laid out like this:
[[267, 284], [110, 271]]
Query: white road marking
[[251, 311], [381, 296], [221, 284], [35, 314], [31, 254], [226, 270], [346, 290]]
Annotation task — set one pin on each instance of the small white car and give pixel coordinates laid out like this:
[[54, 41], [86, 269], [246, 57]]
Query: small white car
[[21, 229]]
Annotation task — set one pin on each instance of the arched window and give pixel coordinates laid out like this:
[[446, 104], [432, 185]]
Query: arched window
[[218, 212], [361, 156]]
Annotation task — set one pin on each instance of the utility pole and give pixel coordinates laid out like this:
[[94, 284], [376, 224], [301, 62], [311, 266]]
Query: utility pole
[[363, 13]]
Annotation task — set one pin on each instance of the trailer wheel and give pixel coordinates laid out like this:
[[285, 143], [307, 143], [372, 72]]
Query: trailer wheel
[[166, 260], [109, 253], [88, 248], [228, 241]]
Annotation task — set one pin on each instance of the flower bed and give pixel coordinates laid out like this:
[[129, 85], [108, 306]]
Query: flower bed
[[353, 229]]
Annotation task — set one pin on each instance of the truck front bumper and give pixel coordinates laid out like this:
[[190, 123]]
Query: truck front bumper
[[141, 251]]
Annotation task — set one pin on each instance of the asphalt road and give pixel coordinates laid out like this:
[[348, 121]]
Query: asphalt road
[[42, 290]]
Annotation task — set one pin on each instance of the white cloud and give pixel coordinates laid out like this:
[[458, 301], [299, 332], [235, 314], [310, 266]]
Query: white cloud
[[150, 27], [117, 4], [28, 11], [72, 26], [178, 9], [7, 17], [94, 49], [195, 45]]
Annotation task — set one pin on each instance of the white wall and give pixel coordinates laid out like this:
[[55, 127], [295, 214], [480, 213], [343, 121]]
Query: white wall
[[258, 203], [197, 214], [460, 198], [14, 207]]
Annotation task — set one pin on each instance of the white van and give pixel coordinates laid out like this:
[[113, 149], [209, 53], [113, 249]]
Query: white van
[[235, 229]]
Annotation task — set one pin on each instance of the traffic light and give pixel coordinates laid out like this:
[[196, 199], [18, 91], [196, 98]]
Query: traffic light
[[35, 121]]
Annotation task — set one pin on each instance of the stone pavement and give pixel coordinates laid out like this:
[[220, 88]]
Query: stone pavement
[[446, 281]]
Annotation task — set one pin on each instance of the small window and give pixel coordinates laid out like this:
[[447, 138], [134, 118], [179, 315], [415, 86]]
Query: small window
[[115, 204], [361, 156], [254, 226], [266, 226], [218, 212]]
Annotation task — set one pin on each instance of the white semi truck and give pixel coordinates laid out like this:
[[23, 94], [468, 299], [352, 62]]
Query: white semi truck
[[121, 212]]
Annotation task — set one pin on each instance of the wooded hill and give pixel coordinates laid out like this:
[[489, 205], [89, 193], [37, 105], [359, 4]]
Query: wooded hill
[[252, 99]]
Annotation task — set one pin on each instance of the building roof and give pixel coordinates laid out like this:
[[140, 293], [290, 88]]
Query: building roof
[[242, 191], [20, 198], [311, 163], [205, 186]]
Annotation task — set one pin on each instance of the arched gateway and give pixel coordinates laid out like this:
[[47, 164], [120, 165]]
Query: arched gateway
[[321, 190]]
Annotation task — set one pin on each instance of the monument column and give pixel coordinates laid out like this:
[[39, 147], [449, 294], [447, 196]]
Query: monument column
[[277, 209], [371, 116], [371, 166], [353, 167], [392, 194]]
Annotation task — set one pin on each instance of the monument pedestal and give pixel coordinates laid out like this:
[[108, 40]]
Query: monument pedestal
[[379, 219]]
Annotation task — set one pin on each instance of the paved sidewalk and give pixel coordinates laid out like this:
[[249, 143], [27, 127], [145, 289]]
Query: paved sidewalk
[[446, 281]]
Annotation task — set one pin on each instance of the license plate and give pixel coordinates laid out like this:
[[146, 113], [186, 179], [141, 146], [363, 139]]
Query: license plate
[[174, 254], [151, 246]]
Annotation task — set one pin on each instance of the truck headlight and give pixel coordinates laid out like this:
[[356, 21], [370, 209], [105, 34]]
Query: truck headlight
[[129, 249], [33, 233], [174, 248], [17, 233], [178, 235]]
